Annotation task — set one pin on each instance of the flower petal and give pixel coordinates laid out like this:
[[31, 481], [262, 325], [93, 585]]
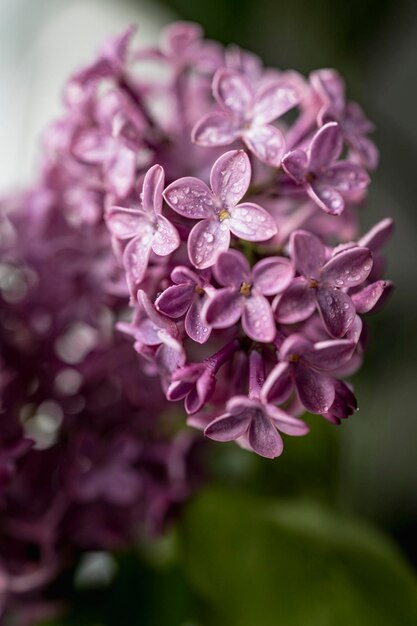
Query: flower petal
[[228, 427], [296, 304], [214, 129], [232, 269], [166, 238], [119, 169], [224, 308], [206, 241], [195, 326], [278, 385], [287, 423], [272, 275], [266, 142], [329, 355], [295, 164], [336, 309], [230, 177], [175, 300], [127, 223], [346, 177], [249, 221], [233, 92], [307, 252], [257, 319], [153, 186], [326, 147], [367, 298], [316, 391], [378, 235], [326, 197], [348, 268], [136, 257], [264, 437], [190, 197], [273, 100]]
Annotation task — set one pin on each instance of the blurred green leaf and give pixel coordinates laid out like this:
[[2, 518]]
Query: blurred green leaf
[[293, 563]]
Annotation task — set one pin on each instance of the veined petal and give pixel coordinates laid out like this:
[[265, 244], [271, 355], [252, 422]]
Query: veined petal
[[153, 186], [316, 391], [296, 304], [176, 300], [287, 423], [295, 164], [206, 241], [307, 252], [272, 275], [266, 142], [233, 92], [230, 177], [264, 437], [329, 355], [127, 223], [166, 238], [348, 268], [232, 269], [249, 221], [278, 385], [214, 129], [182, 274], [346, 177], [368, 297], [190, 197], [336, 309], [228, 427], [224, 308], [257, 319], [326, 197], [273, 100], [195, 325], [136, 258], [326, 147]]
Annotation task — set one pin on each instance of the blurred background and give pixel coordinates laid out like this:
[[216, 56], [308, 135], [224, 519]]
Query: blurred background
[[365, 470]]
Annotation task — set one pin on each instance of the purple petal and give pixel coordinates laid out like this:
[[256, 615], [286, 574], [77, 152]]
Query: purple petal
[[232, 269], [264, 438], [295, 164], [307, 252], [224, 308], [355, 331], [316, 391], [230, 177], [266, 142], [257, 319], [214, 129], [348, 268], [92, 146], [330, 86], [329, 355], [273, 100], [120, 169], [176, 300], [182, 274], [166, 238], [228, 427], [296, 304], [326, 147], [272, 275], [367, 152], [206, 241], [287, 423], [233, 92], [336, 309], [326, 197], [178, 389], [367, 298], [346, 177], [249, 221], [153, 186], [195, 326], [278, 385], [127, 223], [378, 235], [136, 257], [295, 344], [190, 197]]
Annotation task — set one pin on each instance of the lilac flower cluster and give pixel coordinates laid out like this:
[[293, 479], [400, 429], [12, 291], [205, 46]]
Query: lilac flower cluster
[[220, 200]]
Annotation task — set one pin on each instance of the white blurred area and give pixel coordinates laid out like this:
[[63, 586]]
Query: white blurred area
[[41, 43]]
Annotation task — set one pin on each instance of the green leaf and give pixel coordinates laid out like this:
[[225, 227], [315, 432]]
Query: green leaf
[[293, 563]]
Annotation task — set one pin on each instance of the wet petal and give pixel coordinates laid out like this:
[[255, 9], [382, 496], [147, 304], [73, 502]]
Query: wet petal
[[214, 129], [307, 252], [336, 309], [295, 164], [195, 325], [232, 269], [326, 147], [272, 275], [136, 257], [182, 274], [326, 197], [233, 92], [127, 223], [176, 300], [367, 298], [287, 423], [296, 304], [120, 169], [224, 308], [346, 177], [228, 427], [267, 143], [206, 241], [316, 391], [329, 355], [278, 385], [153, 186], [348, 268], [249, 221], [273, 100], [230, 177], [264, 437], [190, 197], [166, 238], [258, 320]]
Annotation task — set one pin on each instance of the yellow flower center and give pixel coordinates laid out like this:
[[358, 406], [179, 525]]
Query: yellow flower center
[[245, 289], [313, 284], [224, 215]]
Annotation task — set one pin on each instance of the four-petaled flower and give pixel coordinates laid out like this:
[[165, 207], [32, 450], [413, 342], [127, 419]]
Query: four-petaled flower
[[324, 178], [146, 228], [322, 284], [244, 293], [218, 209], [187, 297], [247, 115]]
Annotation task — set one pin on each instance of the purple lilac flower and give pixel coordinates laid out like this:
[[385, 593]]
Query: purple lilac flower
[[218, 209], [324, 178], [322, 283], [244, 293], [187, 297], [247, 114], [145, 229]]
